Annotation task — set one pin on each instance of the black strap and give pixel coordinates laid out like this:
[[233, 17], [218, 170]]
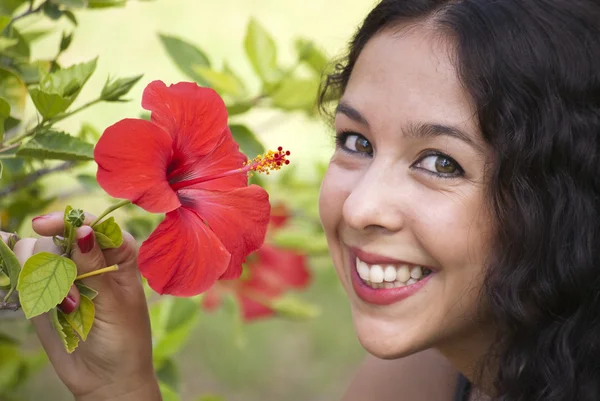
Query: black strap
[[463, 389]]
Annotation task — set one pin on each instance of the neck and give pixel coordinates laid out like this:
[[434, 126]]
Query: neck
[[467, 352]]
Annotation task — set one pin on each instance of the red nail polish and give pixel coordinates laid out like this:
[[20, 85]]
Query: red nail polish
[[42, 217], [86, 243], [67, 305]]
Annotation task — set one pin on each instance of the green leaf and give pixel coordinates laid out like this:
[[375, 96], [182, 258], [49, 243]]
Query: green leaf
[[49, 104], [82, 319], [5, 43], [13, 90], [65, 332], [186, 56], [58, 90], [44, 282], [172, 322], [18, 50], [68, 227], [106, 3], [8, 7], [4, 114], [239, 108], [312, 56], [54, 145], [168, 394], [10, 264], [65, 41], [51, 10], [113, 91], [71, 3], [296, 94], [108, 234], [70, 16], [168, 374], [262, 52], [32, 36], [249, 145], [87, 181], [222, 82], [294, 308], [86, 291], [4, 21]]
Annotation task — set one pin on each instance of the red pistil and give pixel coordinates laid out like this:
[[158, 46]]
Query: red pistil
[[270, 161]]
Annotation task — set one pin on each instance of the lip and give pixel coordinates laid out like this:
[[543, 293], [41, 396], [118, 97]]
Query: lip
[[381, 296], [372, 259]]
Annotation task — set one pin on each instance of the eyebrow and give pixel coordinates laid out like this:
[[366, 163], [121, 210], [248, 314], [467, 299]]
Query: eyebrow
[[351, 113], [415, 131]]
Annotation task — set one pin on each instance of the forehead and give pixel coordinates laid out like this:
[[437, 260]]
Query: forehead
[[408, 76]]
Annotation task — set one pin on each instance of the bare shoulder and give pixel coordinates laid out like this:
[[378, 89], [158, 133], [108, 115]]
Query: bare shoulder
[[424, 376]]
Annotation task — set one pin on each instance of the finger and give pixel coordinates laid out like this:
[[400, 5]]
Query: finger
[[5, 236], [125, 257], [53, 223], [24, 249], [88, 257]]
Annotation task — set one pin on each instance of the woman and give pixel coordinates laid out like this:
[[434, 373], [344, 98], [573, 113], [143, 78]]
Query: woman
[[461, 208]]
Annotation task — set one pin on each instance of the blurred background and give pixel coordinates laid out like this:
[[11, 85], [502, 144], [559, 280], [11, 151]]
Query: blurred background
[[307, 354]]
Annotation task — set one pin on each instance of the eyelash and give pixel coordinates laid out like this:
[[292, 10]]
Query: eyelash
[[342, 136]]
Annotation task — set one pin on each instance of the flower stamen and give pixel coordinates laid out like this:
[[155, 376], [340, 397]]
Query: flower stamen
[[270, 161]]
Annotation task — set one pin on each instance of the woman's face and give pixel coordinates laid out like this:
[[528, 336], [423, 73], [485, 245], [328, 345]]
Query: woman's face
[[404, 197]]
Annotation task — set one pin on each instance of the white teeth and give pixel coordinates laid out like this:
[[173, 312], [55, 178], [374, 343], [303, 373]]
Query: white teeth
[[389, 274], [416, 272], [376, 274], [363, 269], [403, 273]]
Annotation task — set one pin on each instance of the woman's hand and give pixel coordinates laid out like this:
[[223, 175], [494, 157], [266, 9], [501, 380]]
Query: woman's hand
[[115, 362]]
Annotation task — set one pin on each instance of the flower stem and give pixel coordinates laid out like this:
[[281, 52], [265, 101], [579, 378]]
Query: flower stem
[[98, 272], [109, 210], [69, 243]]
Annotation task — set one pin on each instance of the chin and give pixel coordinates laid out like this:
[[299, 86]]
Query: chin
[[388, 339]]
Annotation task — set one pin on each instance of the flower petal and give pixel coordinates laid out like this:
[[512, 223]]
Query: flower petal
[[239, 218], [226, 156], [182, 257], [252, 310], [277, 270], [132, 157], [195, 117]]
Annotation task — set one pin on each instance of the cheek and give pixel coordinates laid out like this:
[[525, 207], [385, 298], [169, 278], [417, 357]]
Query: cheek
[[335, 189]]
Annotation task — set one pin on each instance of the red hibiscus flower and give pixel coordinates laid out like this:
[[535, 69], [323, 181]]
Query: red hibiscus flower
[[185, 163], [270, 273]]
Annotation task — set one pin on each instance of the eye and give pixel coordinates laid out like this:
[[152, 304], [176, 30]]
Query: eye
[[440, 165], [354, 143]]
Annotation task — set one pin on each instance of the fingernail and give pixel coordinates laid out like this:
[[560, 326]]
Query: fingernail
[[86, 243], [42, 217], [67, 305]]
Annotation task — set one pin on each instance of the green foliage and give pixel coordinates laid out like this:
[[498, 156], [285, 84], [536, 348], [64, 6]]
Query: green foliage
[[55, 145], [108, 234], [33, 143], [44, 282]]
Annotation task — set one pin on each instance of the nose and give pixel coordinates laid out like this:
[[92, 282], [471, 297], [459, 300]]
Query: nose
[[375, 202]]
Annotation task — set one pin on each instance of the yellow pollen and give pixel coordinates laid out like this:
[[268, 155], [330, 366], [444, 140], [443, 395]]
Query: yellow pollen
[[270, 161]]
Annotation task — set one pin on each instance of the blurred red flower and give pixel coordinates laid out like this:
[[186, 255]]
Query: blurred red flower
[[185, 163], [271, 272]]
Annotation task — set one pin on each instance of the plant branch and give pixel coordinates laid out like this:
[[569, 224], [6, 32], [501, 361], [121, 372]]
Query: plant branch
[[31, 178], [13, 306], [29, 11], [109, 210], [70, 113]]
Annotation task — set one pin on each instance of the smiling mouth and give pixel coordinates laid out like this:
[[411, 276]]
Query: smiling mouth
[[390, 275]]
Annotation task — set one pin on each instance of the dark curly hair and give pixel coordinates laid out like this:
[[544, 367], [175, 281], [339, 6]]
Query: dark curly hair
[[533, 70]]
